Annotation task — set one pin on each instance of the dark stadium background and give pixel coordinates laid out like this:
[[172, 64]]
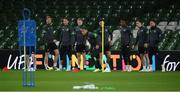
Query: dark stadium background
[[165, 12]]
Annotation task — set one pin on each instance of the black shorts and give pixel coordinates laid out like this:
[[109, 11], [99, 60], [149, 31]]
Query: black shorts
[[80, 48], [65, 50], [153, 50], [50, 47], [142, 50]]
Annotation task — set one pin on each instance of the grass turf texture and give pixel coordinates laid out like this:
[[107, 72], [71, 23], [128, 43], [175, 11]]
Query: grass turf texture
[[114, 81]]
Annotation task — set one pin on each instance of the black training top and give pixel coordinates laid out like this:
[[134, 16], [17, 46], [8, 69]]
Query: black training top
[[126, 36], [48, 35], [141, 37], [66, 35], [79, 37], [154, 36], [107, 35]]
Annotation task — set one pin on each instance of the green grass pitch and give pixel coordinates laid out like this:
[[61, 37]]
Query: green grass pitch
[[114, 81]]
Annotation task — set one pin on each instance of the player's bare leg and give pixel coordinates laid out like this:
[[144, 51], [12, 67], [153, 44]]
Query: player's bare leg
[[56, 51], [84, 58], [108, 60], [149, 67], [46, 62], [143, 63], [34, 60], [79, 57]]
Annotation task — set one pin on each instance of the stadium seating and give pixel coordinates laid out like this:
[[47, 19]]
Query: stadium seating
[[166, 13]]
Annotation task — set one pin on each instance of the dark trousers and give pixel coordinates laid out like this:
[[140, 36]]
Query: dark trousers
[[153, 50], [95, 54], [125, 53]]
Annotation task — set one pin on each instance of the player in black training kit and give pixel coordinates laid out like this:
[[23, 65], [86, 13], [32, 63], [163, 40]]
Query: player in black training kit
[[80, 40], [49, 44], [107, 44], [154, 37], [142, 43], [126, 39], [66, 39]]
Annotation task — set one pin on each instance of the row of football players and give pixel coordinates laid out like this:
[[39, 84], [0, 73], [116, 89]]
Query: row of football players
[[75, 40]]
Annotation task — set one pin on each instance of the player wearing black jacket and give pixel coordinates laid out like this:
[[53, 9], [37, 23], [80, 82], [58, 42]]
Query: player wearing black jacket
[[49, 44], [80, 40], [126, 39], [142, 43], [66, 39], [107, 44], [154, 37]]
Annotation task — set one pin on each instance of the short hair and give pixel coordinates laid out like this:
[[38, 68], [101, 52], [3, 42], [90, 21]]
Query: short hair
[[48, 17], [124, 19], [153, 20], [80, 19], [139, 20], [66, 18], [83, 27]]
